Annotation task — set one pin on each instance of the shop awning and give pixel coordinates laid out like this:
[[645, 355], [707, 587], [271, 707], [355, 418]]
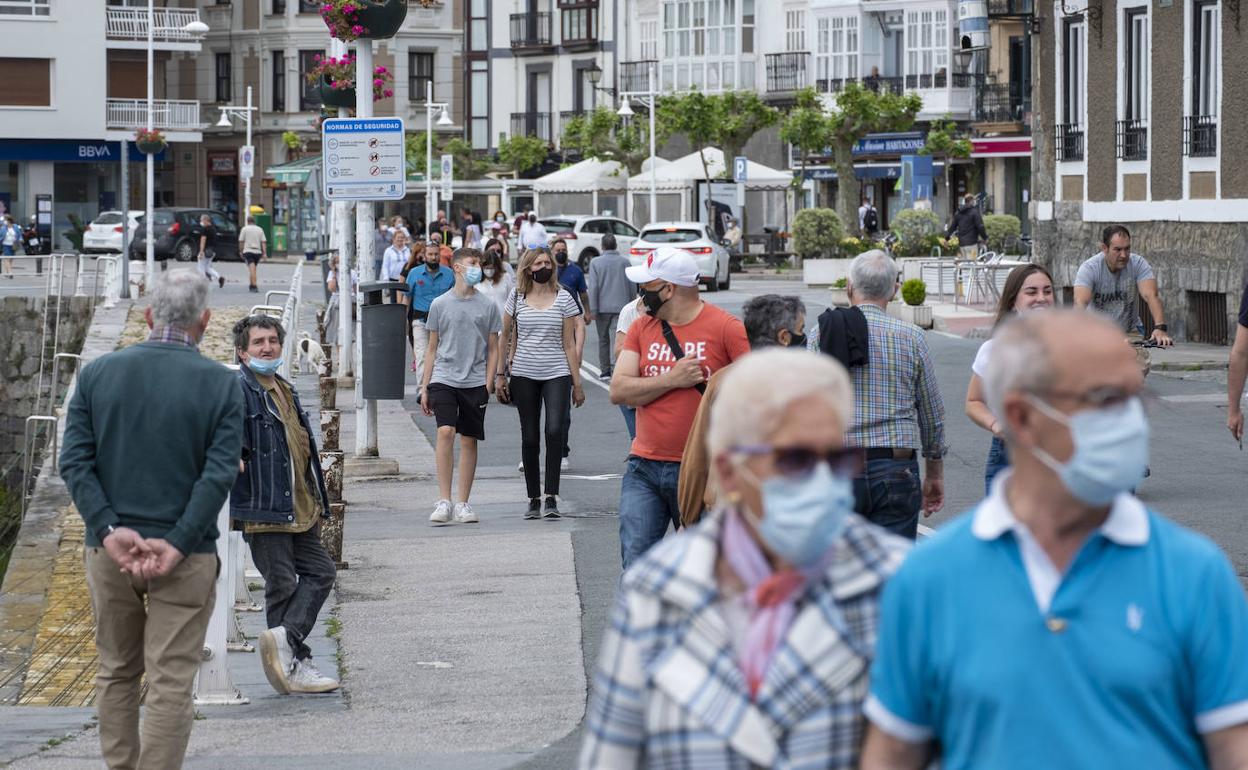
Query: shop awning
[[296, 171], [863, 171]]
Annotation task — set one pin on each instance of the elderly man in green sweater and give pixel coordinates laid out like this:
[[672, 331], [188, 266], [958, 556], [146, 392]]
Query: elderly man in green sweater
[[152, 446]]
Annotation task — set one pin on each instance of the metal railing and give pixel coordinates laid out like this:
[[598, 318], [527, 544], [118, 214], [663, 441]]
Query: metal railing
[[127, 23], [998, 103], [290, 317], [634, 75], [787, 71], [531, 124], [530, 30], [167, 114], [1068, 141], [877, 83], [1131, 140], [1200, 136]]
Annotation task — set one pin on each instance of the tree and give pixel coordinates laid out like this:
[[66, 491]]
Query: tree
[[742, 114], [467, 164], [605, 136], [861, 111], [946, 141], [521, 154], [695, 115], [807, 128]]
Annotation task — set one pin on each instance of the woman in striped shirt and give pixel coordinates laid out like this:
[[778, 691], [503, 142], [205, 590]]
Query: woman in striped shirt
[[541, 371]]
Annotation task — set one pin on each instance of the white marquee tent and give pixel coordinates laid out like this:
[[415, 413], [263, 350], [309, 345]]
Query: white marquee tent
[[680, 178], [564, 190]]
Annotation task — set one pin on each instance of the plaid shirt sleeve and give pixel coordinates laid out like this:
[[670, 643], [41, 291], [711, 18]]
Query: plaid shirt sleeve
[[930, 405], [614, 729]]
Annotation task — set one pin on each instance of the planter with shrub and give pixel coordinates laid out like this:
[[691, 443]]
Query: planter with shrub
[[149, 142], [840, 293], [918, 230], [369, 19], [912, 309], [1004, 230]]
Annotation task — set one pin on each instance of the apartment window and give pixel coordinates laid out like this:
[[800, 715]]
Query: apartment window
[[309, 6], [479, 104], [927, 47], [28, 82], [579, 20], [701, 45], [25, 8], [223, 77], [794, 30], [419, 74], [650, 40], [478, 25], [1069, 139], [278, 8], [1200, 135], [278, 64], [309, 97], [1137, 64], [843, 47]]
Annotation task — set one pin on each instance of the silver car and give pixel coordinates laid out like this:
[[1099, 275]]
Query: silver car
[[698, 239]]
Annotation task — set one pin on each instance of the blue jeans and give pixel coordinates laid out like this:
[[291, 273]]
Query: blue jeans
[[890, 495], [648, 504], [998, 460], [630, 420]]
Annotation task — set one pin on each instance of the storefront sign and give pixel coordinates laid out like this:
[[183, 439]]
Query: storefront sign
[[69, 151], [222, 164], [890, 144], [363, 159], [1001, 147]]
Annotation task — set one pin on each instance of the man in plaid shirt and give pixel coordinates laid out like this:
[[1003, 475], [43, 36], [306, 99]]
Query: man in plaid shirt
[[897, 407]]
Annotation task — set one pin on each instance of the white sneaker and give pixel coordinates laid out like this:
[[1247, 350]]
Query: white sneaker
[[441, 512], [277, 658], [520, 467], [563, 464], [306, 678], [464, 514]]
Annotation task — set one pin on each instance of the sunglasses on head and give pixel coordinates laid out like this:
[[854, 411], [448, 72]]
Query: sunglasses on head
[[795, 462]]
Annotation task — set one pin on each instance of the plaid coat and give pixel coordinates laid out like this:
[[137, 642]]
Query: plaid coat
[[668, 691]]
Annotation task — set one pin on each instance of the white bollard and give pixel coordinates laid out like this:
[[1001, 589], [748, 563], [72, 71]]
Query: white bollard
[[243, 601], [80, 283], [213, 686], [236, 640]]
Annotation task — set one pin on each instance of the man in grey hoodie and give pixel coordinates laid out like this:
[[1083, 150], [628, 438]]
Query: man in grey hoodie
[[609, 291]]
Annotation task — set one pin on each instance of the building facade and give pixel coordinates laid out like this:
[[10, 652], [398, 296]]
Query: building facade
[[1001, 145], [1140, 116]]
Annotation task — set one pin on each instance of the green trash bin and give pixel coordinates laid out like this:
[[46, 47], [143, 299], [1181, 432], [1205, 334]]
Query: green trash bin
[[265, 222]]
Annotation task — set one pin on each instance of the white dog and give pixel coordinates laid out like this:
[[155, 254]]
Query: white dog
[[311, 356]]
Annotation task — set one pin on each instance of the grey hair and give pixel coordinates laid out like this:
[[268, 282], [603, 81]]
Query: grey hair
[[873, 275], [242, 329], [757, 390], [766, 314], [179, 299], [1018, 361]]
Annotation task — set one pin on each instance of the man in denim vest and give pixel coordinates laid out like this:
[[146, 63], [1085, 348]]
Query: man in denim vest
[[280, 498]]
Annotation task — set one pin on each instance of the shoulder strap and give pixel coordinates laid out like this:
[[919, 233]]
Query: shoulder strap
[[677, 352]]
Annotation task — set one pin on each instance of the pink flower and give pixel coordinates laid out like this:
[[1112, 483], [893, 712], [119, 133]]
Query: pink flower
[[389, 92], [379, 82], [348, 8], [357, 29]]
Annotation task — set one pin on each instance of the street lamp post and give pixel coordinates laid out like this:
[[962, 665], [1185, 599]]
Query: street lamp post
[[649, 97], [227, 113], [444, 119]]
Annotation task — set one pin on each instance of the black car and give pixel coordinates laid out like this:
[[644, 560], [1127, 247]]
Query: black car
[[176, 232]]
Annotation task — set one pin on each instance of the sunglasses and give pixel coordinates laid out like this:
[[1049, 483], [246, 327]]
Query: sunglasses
[[795, 462]]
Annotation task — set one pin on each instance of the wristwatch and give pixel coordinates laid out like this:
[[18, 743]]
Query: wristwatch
[[1162, 327], [105, 531]]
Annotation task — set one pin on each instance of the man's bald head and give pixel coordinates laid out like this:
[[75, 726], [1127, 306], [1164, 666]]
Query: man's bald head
[[1057, 351]]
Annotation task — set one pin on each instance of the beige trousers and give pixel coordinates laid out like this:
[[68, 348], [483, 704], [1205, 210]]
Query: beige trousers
[[163, 639]]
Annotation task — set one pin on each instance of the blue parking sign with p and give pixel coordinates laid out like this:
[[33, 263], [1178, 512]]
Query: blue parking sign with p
[[738, 168]]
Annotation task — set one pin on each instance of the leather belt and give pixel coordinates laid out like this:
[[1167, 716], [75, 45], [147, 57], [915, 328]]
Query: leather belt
[[885, 453]]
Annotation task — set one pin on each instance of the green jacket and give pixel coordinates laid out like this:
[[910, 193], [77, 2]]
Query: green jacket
[[152, 442]]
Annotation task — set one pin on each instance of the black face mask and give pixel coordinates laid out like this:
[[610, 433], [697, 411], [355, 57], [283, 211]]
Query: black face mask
[[543, 275], [797, 340], [561, 257], [650, 298]]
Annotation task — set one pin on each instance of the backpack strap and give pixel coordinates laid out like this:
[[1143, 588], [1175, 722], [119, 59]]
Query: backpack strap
[[677, 352]]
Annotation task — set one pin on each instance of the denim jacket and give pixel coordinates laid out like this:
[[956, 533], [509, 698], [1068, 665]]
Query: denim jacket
[[263, 490]]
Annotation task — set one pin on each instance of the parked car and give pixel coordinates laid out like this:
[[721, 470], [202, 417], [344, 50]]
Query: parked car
[[695, 237], [584, 234], [176, 232], [103, 235]]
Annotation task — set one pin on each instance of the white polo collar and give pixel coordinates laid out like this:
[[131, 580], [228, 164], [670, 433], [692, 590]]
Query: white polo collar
[[1126, 525]]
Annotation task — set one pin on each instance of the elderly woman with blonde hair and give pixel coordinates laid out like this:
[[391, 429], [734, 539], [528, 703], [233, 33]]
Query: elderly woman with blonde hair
[[745, 640]]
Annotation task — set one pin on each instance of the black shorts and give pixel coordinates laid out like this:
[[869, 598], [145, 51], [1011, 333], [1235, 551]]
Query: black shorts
[[251, 257], [460, 408]]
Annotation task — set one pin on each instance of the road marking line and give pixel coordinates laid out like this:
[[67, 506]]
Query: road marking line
[[592, 373], [926, 531], [599, 477], [1196, 398]]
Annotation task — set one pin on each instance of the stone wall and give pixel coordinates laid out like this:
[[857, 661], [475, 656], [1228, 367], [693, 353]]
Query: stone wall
[[22, 319]]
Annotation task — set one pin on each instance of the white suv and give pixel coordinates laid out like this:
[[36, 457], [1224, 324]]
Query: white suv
[[584, 234]]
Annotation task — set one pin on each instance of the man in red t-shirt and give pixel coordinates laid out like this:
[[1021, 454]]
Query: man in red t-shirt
[[665, 388]]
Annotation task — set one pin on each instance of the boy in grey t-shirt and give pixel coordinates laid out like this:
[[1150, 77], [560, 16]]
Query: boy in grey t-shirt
[[457, 380], [1112, 280]]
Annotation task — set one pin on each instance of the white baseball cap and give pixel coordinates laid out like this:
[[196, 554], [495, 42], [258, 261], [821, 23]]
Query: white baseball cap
[[666, 263]]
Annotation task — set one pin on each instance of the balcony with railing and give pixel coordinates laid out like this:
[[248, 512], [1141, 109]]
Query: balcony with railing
[[531, 33], [167, 114], [1132, 140], [1200, 136], [634, 75], [531, 124], [1000, 103], [126, 27], [1069, 141], [1006, 9], [787, 72]]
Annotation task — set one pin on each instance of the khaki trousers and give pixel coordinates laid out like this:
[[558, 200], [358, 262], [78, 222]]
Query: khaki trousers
[[163, 639]]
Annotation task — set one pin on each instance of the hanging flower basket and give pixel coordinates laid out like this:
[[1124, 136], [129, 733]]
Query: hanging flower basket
[[150, 142], [369, 19], [334, 79]]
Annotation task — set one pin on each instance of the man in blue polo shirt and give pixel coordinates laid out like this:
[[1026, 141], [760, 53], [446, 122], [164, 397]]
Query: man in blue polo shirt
[[424, 285], [1061, 624]]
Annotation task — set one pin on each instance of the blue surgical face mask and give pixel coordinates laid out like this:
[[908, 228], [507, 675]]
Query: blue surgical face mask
[[1111, 450], [804, 516], [472, 275], [266, 366]]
